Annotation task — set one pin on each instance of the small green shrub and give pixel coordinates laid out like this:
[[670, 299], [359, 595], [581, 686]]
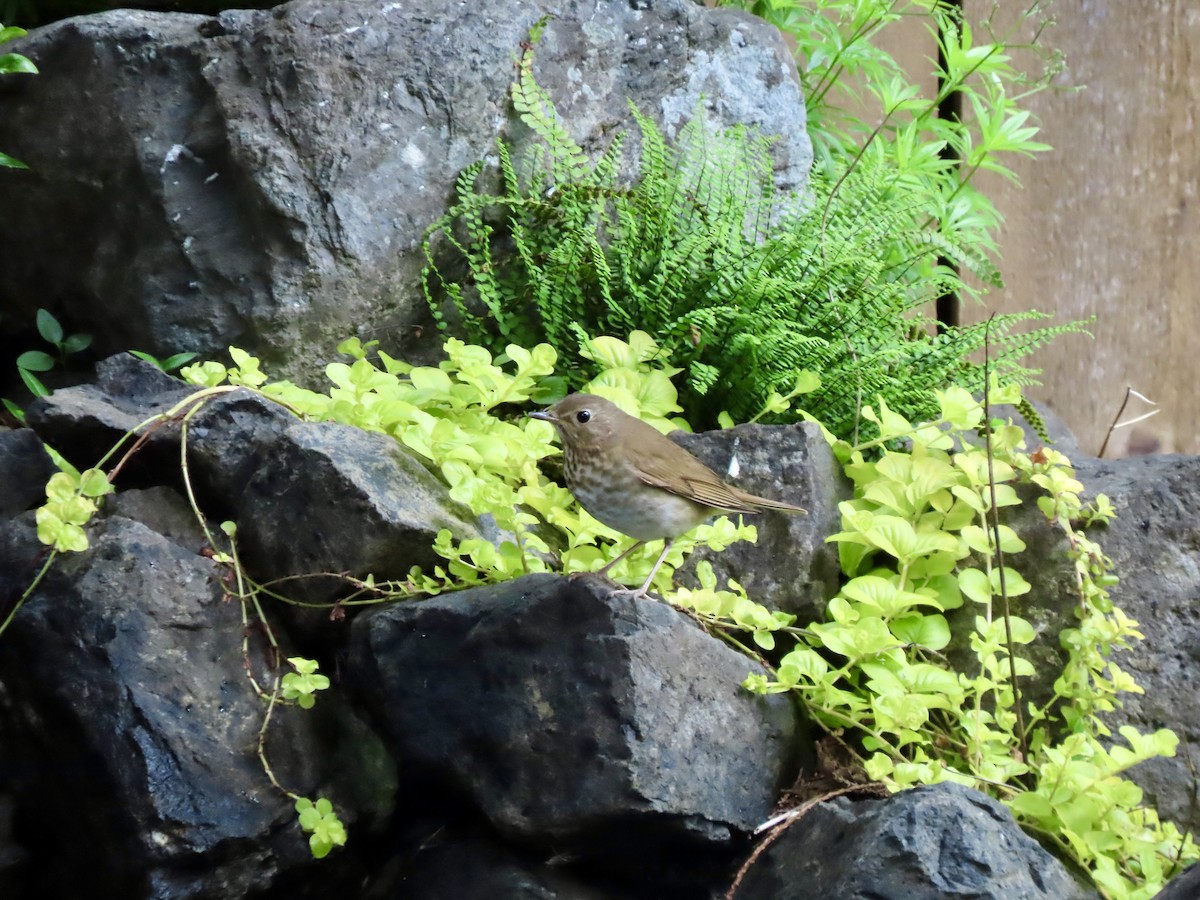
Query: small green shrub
[[33, 361], [857, 97], [919, 541], [454, 415], [65, 345], [322, 824], [167, 363], [303, 684]]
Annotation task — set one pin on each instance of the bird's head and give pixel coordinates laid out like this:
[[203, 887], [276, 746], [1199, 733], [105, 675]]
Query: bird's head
[[583, 421]]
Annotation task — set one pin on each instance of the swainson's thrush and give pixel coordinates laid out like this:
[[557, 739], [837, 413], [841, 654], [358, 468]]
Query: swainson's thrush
[[634, 479]]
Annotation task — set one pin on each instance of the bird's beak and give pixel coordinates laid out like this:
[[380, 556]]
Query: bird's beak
[[544, 415]]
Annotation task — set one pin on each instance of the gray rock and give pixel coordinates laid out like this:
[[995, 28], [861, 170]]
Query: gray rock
[[231, 438], [162, 509], [928, 843], [125, 711], [1185, 886], [274, 170], [313, 497], [1154, 544], [575, 719], [25, 467], [21, 553], [84, 422], [790, 568]]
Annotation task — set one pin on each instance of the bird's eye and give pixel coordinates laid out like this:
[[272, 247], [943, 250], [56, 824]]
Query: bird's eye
[[583, 416]]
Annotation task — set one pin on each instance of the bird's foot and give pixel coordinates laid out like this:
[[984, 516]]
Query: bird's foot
[[632, 593], [618, 590]]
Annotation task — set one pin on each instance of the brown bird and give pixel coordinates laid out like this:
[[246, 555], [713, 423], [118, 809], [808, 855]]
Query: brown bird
[[634, 479]]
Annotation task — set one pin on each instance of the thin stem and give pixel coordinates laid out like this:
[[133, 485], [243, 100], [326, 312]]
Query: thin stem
[[995, 523], [28, 591], [853, 724], [262, 745], [198, 398]]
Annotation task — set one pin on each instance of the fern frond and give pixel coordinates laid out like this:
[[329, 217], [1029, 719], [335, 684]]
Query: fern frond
[[535, 108], [1030, 414], [743, 285]]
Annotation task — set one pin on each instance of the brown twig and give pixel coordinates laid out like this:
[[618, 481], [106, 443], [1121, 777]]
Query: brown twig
[[782, 822], [1117, 423], [137, 445]]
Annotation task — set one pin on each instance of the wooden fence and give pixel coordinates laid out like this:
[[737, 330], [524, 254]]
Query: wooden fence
[[1108, 223]]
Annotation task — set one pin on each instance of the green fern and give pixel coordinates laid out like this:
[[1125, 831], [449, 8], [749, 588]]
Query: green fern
[[742, 286]]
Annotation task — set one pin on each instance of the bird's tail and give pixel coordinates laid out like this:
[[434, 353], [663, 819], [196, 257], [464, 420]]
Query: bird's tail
[[755, 503]]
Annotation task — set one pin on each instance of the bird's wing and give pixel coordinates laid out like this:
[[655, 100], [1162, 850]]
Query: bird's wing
[[688, 477]]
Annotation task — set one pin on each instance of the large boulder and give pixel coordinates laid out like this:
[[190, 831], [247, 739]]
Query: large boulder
[[130, 730], [321, 498], [1154, 544], [1186, 886], [577, 719], [263, 178], [25, 467]]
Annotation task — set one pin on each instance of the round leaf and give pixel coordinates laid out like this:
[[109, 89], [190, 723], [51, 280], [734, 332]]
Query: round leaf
[[932, 631], [48, 327], [35, 361]]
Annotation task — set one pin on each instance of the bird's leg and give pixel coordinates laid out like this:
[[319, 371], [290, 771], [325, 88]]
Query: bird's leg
[[604, 572], [641, 593]]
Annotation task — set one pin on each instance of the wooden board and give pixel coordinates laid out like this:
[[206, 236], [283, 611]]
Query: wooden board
[[1107, 224]]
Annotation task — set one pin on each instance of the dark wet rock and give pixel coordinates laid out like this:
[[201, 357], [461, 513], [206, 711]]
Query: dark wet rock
[[1185, 886], [125, 711], [25, 467], [1154, 544], [595, 724], [928, 843], [276, 169], [84, 422], [163, 510], [313, 497], [790, 567]]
